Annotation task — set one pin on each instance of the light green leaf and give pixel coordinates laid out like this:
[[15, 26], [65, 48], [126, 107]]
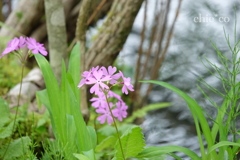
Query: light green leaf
[[198, 116], [4, 112], [143, 111], [132, 143], [7, 131], [93, 135], [107, 142], [81, 156], [90, 154], [221, 144], [17, 148], [151, 152], [74, 64]]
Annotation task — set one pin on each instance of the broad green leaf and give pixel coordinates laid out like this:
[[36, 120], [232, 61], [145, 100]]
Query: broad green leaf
[[90, 154], [151, 152], [53, 94], [61, 101], [221, 144], [197, 113], [107, 142], [17, 148], [72, 107], [163, 157], [143, 111], [81, 156], [43, 97], [132, 143], [93, 135], [74, 64], [71, 135], [4, 112], [107, 130], [7, 131], [230, 153]]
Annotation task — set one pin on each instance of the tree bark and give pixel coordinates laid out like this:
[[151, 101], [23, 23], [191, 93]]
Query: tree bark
[[24, 18], [110, 38], [81, 29], [57, 37], [113, 34]]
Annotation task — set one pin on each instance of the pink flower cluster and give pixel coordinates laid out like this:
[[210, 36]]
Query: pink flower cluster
[[102, 80], [18, 43]]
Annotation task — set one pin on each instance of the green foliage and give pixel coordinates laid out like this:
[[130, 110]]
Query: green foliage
[[197, 113], [143, 111], [53, 150], [152, 152], [17, 147], [63, 104], [106, 143], [132, 143], [10, 73]]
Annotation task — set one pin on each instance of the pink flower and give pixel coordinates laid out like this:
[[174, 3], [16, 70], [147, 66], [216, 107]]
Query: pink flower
[[36, 47], [12, 46], [106, 115], [121, 111], [87, 74], [82, 82], [22, 42], [112, 94], [110, 72], [99, 101], [126, 84], [97, 81]]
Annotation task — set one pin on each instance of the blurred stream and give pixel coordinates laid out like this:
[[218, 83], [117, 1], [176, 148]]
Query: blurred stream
[[183, 67]]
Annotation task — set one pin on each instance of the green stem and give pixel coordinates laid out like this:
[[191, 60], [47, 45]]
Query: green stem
[[18, 103], [115, 125]]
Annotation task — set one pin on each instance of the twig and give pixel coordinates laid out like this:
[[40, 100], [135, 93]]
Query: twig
[[162, 57], [96, 11], [88, 23], [140, 51], [81, 38]]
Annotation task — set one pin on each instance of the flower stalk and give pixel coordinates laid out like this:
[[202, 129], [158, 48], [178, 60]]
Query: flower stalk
[[115, 125]]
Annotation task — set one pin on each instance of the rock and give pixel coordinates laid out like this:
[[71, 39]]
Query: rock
[[28, 93], [35, 76], [31, 83]]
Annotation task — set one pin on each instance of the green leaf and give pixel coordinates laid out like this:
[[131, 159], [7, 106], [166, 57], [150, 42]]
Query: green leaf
[[81, 156], [4, 112], [61, 101], [132, 143], [221, 144], [90, 154], [143, 111], [151, 152], [107, 142], [87, 155], [93, 135], [71, 135], [53, 94], [17, 148], [7, 131], [74, 64], [198, 116]]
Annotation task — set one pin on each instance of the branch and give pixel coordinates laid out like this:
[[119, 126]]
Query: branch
[[57, 37], [81, 38], [113, 33]]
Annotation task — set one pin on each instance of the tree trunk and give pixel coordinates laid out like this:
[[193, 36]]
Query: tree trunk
[[24, 18], [110, 38], [57, 37], [113, 34]]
